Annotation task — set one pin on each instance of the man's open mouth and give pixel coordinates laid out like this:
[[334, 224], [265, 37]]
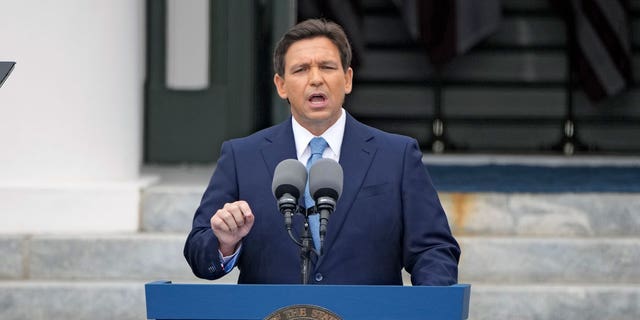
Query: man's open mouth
[[317, 98]]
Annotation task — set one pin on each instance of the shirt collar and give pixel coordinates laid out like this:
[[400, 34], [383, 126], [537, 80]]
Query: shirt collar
[[333, 136]]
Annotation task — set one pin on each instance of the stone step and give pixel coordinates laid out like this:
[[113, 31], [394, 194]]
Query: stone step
[[12, 251], [551, 302], [549, 260], [72, 300], [169, 207], [125, 300], [148, 257], [548, 214]]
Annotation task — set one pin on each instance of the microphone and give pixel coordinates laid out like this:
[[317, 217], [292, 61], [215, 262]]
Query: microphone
[[289, 178], [325, 186]]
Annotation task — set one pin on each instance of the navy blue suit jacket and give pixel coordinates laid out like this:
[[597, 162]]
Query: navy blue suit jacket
[[388, 217]]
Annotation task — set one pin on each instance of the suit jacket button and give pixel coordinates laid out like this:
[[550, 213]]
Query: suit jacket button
[[319, 277]]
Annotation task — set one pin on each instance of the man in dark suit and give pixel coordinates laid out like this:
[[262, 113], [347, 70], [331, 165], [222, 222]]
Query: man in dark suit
[[387, 218]]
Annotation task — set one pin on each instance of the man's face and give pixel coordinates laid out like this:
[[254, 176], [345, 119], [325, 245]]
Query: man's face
[[314, 82]]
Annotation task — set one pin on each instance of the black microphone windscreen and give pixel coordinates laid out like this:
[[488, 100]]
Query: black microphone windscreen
[[290, 177], [325, 179]]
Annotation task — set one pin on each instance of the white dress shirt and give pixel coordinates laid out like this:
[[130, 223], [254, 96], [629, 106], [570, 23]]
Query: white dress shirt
[[333, 136]]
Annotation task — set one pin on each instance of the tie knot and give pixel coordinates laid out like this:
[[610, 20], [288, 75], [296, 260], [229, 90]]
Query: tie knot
[[317, 145]]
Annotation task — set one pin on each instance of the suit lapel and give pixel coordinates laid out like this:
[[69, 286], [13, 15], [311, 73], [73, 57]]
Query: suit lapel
[[278, 146], [357, 153]]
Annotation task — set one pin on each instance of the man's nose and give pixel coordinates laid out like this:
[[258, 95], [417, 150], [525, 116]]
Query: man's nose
[[315, 78]]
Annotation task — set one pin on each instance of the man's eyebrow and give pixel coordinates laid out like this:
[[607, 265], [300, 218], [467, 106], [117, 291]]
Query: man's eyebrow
[[327, 62], [323, 63], [305, 64], [301, 64]]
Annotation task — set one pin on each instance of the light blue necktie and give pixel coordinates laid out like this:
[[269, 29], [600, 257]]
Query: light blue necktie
[[317, 144]]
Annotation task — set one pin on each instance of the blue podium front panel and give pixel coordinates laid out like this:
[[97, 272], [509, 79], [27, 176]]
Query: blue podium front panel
[[213, 301]]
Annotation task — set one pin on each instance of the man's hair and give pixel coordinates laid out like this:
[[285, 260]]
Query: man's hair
[[308, 29]]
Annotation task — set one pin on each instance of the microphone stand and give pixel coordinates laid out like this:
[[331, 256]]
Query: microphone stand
[[305, 251], [288, 208]]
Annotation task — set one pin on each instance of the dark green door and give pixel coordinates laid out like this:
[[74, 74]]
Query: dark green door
[[190, 125]]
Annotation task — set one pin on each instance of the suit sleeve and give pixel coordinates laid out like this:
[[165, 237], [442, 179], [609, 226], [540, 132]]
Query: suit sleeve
[[201, 247], [431, 254]]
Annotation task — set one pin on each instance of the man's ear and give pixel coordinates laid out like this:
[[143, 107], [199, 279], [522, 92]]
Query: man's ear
[[280, 86], [348, 80]]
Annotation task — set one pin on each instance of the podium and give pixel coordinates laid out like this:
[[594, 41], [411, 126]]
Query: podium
[[166, 300]]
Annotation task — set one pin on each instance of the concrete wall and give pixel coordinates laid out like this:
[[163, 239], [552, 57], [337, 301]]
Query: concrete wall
[[71, 124]]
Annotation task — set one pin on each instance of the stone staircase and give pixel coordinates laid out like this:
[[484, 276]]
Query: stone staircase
[[549, 256], [527, 256]]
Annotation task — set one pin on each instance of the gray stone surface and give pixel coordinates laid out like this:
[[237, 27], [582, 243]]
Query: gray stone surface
[[11, 256], [71, 300], [122, 257], [564, 214], [550, 260], [503, 260], [169, 209], [169, 205], [490, 302]]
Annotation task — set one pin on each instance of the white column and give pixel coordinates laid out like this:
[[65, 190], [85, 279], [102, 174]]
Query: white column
[[71, 115]]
